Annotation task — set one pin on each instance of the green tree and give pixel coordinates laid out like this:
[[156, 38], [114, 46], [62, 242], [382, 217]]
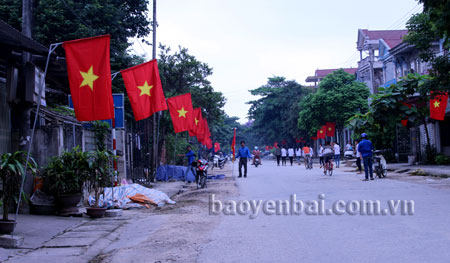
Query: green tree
[[338, 98], [274, 114], [438, 11]]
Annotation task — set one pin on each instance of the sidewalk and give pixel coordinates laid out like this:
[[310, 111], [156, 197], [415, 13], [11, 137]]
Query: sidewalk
[[433, 170], [78, 239]]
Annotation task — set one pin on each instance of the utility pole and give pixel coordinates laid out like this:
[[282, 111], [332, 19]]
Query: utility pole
[[155, 145]]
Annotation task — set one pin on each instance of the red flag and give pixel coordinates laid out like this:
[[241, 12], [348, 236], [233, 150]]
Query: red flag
[[438, 105], [313, 138], [216, 147], [203, 131], [89, 72], [330, 129], [144, 89], [208, 143], [196, 126], [321, 132], [275, 144], [233, 144], [181, 111], [404, 122], [267, 148]]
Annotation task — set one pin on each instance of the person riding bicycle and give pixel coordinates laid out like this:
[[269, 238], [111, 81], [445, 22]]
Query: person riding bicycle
[[328, 153], [256, 155], [306, 153]]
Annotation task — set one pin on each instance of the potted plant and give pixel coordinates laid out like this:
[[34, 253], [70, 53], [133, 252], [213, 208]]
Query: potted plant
[[64, 176], [99, 177], [12, 169]]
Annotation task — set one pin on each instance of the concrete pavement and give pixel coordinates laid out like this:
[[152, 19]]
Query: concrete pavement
[[422, 237]]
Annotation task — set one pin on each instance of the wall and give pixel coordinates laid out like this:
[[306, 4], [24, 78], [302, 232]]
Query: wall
[[5, 122]]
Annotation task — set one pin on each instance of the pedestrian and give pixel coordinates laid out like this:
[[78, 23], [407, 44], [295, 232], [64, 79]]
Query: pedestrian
[[365, 147], [298, 154], [291, 155], [190, 155], [306, 153], [321, 162], [337, 154], [358, 158], [243, 155], [278, 154], [328, 153], [283, 156]]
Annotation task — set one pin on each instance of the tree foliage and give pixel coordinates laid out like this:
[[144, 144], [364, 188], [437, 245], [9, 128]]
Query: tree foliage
[[274, 114], [438, 11], [338, 98]]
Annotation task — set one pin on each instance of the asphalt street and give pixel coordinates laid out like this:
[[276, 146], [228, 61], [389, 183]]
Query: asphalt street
[[421, 237]]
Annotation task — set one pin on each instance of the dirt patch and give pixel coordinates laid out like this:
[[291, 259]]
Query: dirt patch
[[189, 226]]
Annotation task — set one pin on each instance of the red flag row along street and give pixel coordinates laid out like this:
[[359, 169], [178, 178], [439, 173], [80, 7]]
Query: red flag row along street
[[89, 72]]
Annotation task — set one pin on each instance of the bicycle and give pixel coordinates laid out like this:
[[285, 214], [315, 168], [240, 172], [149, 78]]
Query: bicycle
[[328, 168]]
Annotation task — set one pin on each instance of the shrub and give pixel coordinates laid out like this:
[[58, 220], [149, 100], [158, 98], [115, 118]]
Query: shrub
[[442, 159]]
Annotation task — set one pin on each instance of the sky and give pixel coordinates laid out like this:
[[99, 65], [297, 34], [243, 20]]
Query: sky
[[248, 41]]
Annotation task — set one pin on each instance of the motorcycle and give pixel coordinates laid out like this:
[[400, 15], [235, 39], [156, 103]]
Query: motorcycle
[[218, 161], [379, 164], [257, 162], [201, 170]]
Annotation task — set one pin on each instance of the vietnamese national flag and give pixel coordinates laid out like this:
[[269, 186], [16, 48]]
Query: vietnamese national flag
[[330, 129], [144, 89], [216, 147], [196, 126], [233, 145], [181, 111], [321, 132], [438, 105], [89, 72]]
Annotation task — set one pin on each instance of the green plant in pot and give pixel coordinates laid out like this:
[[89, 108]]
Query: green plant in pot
[[64, 177], [12, 170], [100, 171]]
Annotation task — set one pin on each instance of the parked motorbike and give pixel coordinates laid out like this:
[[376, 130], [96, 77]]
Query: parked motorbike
[[201, 170], [218, 161], [379, 164], [348, 155]]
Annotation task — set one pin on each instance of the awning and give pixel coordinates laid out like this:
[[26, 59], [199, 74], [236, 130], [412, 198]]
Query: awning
[[12, 38]]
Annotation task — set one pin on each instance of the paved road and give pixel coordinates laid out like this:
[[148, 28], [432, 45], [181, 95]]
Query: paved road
[[422, 237]]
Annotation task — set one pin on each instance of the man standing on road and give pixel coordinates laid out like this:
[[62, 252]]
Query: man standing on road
[[243, 155], [283, 156], [191, 157], [337, 154], [291, 155], [358, 158], [278, 154], [365, 147]]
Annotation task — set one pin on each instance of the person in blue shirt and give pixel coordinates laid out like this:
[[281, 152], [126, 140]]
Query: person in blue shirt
[[243, 155], [191, 157], [365, 147]]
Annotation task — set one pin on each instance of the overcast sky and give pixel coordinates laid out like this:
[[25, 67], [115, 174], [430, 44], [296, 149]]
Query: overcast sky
[[247, 41]]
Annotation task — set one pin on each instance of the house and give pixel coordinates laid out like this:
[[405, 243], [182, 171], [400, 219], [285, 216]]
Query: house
[[373, 46], [322, 73]]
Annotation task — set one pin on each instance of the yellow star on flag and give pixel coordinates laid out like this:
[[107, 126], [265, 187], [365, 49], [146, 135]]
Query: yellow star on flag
[[437, 104], [182, 112], [329, 128], [196, 121], [145, 89], [321, 131], [88, 78]]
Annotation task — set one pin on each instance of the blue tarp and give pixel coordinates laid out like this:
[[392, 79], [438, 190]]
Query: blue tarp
[[176, 172]]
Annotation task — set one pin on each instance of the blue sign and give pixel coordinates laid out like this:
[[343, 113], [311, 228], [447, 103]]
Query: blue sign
[[119, 110]]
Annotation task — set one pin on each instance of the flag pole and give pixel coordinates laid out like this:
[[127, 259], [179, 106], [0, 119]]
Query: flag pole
[[155, 150], [41, 88]]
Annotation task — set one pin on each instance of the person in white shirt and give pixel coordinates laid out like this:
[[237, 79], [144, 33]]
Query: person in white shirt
[[283, 156], [358, 158], [321, 162], [298, 154], [337, 154], [291, 155]]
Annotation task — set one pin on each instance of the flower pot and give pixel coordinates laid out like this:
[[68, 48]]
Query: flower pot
[[64, 201], [7, 226], [95, 212], [42, 209]]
